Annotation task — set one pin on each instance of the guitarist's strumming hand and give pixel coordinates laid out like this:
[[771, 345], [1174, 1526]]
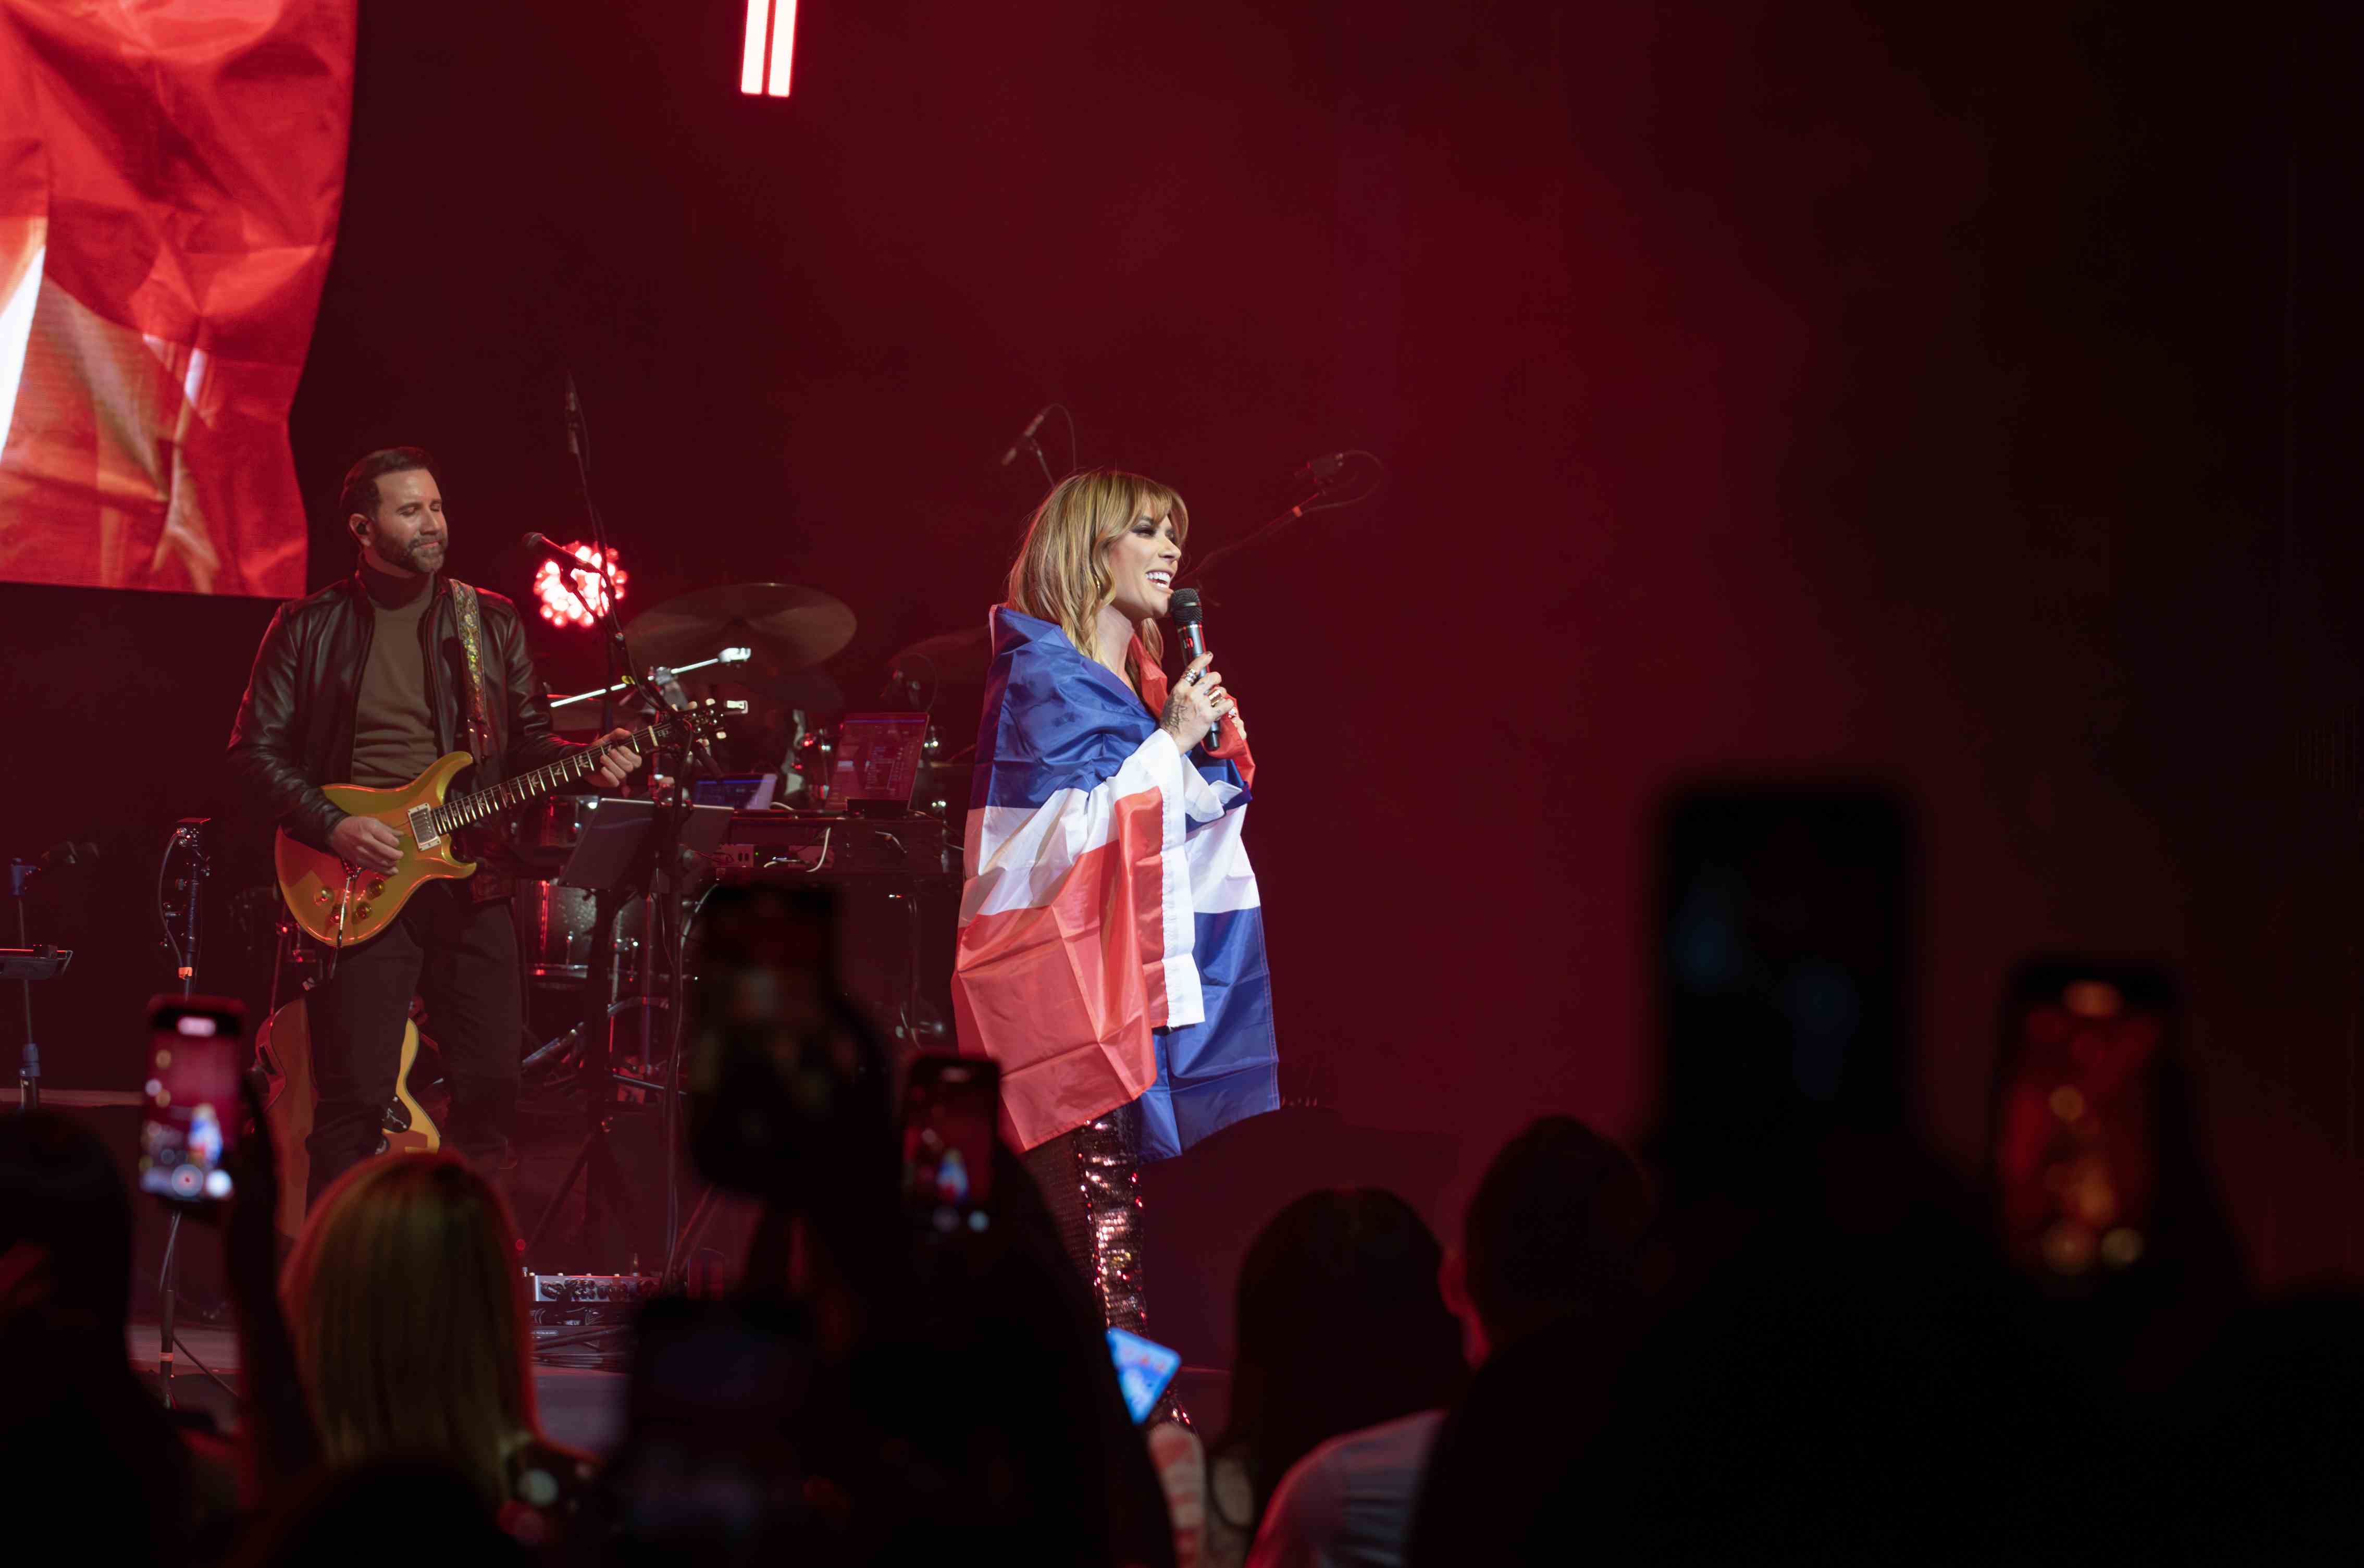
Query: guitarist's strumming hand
[[367, 843], [618, 764]]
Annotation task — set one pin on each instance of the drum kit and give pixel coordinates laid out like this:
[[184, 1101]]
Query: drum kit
[[789, 761]]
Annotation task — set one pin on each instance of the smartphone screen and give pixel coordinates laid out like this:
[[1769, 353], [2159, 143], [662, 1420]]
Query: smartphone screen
[[2076, 1158], [951, 1111], [1786, 969], [195, 1051], [1143, 1368], [786, 1079], [709, 1465]]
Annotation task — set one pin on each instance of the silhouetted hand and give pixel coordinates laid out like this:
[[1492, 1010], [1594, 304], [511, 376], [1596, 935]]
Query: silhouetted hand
[[249, 1242]]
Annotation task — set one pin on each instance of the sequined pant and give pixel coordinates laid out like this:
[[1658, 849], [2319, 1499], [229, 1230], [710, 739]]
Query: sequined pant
[[1090, 1180]]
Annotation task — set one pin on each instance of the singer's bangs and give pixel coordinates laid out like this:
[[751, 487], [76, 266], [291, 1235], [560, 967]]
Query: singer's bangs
[[1157, 502]]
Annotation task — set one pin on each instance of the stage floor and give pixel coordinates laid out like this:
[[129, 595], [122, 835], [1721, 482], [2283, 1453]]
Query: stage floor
[[581, 1409]]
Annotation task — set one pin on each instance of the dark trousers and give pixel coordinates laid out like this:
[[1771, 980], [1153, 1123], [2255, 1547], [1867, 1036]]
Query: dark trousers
[[458, 954]]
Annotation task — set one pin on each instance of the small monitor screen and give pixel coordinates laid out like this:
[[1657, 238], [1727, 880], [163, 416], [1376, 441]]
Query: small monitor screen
[[877, 758], [751, 793]]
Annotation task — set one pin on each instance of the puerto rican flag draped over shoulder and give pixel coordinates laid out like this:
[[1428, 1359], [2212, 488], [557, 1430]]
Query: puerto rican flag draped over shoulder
[[1111, 943]]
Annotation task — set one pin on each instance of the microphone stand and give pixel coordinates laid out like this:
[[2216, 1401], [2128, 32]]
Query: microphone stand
[[1319, 500], [578, 442], [190, 836], [597, 1076], [1254, 535]]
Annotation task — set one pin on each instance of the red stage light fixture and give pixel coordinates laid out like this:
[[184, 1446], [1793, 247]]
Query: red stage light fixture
[[559, 606], [772, 21]]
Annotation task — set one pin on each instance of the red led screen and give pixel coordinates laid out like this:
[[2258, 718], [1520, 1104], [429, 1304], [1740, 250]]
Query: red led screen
[[170, 175]]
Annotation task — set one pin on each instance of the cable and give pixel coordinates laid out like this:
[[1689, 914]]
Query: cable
[[183, 1345], [163, 920]]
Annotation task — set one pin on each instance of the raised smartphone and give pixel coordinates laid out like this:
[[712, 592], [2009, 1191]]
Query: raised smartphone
[[1143, 1368], [190, 1129], [951, 1112], [2076, 1133]]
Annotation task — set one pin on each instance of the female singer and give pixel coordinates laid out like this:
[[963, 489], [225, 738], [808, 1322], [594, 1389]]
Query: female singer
[[1111, 952]]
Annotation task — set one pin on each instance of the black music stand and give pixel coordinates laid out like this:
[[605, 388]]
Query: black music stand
[[611, 860], [25, 965]]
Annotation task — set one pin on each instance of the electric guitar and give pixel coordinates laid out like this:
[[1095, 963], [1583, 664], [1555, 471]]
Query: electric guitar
[[343, 905]]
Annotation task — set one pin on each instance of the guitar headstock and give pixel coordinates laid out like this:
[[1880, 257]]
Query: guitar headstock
[[708, 717]]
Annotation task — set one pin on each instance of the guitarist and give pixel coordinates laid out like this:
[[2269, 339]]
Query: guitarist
[[368, 682]]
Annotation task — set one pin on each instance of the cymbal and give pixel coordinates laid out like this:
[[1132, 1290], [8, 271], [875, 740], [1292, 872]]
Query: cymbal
[[953, 658], [790, 628]]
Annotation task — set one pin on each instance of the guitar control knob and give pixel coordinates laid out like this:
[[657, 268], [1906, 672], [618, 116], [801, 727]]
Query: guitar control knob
[[377, 890], [321, 897], [361, 910]]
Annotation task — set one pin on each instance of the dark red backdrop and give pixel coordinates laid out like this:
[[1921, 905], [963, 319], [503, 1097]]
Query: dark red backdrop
[[1787, 389]]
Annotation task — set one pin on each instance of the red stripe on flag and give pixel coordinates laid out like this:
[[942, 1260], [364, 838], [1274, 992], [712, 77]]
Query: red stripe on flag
[[1057, 995]]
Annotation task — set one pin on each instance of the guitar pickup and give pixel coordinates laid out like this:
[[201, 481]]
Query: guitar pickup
[[422, 827]]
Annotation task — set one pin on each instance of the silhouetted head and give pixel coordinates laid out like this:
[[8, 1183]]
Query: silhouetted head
[[1555, 1228], [65, 1225], [1340, 1326]]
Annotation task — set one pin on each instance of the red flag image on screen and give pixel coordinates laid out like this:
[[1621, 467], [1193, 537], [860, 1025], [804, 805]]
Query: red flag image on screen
[[170, 178]]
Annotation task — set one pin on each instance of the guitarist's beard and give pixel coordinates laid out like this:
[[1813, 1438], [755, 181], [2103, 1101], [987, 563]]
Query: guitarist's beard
[[422, 555]]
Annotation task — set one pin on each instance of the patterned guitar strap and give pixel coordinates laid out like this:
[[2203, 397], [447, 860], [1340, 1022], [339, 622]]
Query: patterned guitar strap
[[480, 728]]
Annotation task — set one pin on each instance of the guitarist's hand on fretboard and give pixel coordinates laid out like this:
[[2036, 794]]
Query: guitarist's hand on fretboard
[[618, 764], [367, 843]]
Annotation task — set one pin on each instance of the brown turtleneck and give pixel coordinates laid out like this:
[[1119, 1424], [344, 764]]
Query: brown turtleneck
[[394, 734]]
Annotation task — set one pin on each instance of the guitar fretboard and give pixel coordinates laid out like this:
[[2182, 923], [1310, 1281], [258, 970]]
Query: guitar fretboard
[[526, 788]]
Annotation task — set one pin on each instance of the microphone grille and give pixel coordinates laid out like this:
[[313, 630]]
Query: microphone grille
[[1184, 607]]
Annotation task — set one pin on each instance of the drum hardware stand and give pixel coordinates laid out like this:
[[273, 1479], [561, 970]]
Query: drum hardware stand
[[597, 1163], [727, 656], [561, 1048], [606, 861]]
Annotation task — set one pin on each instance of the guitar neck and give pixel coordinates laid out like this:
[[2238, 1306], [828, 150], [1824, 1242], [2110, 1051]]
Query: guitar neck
[[527, 788]]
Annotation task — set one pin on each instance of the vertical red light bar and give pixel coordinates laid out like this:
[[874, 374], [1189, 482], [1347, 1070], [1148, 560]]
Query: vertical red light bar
[[775, 21], [784, 44], [751, 62]]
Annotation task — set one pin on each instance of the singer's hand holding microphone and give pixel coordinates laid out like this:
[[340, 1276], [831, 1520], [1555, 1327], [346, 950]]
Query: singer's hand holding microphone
[[1195, 704]]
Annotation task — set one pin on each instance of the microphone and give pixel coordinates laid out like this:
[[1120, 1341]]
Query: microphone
[[542, 544], [574, 419], [1026, 436], [1320, 470], [1190, 625]]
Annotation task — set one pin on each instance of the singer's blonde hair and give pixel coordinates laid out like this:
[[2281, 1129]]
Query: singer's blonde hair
[[1060, 574]]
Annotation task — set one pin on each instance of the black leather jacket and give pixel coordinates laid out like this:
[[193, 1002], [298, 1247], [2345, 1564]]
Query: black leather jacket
[[294, 728]]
